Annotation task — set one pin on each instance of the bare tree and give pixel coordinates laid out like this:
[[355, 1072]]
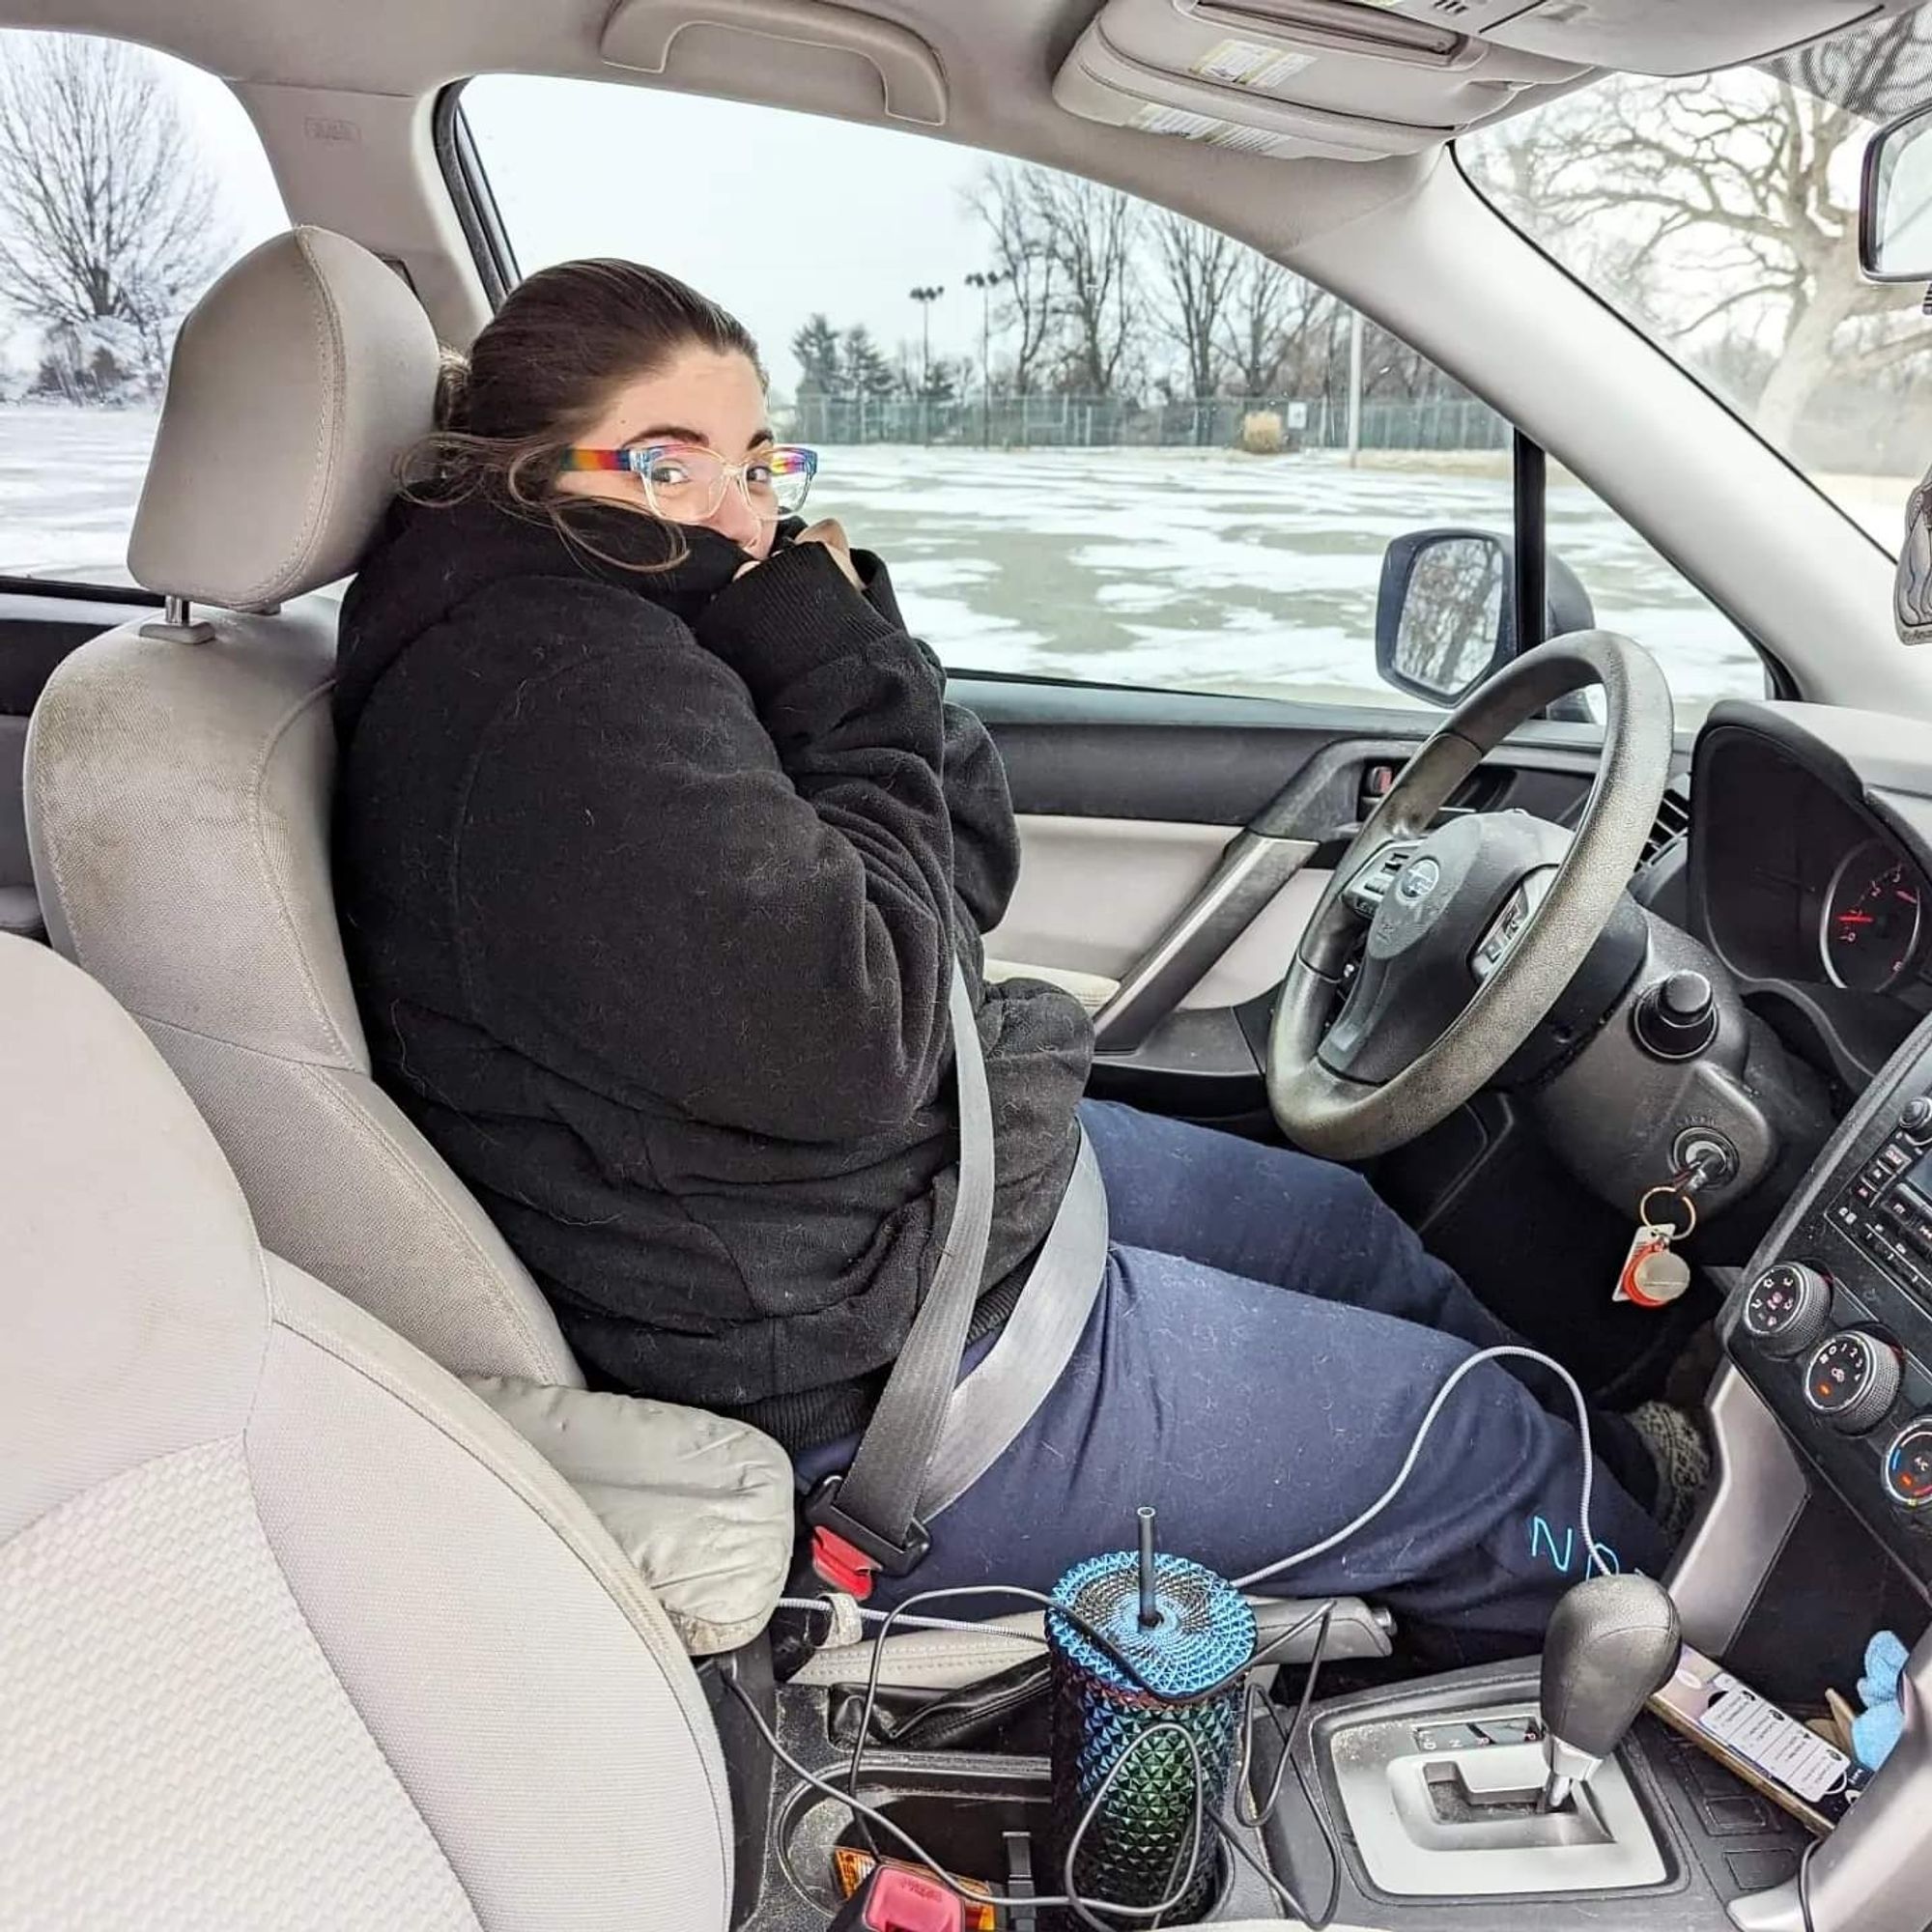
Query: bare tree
[[1198, 264], [1314, 353], [1255, 323], [1005, 202], [1737, 189], [1091, 232], [107, 214]]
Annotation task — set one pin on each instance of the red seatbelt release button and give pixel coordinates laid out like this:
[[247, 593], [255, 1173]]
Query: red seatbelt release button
[[904, 1901], [841, 1565]]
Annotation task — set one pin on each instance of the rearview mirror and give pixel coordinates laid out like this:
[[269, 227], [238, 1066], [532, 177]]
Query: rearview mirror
[[1443, 616], [1895, 202]]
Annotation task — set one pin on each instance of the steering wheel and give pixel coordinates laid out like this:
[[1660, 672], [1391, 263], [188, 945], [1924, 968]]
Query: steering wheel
[[1473, 929]]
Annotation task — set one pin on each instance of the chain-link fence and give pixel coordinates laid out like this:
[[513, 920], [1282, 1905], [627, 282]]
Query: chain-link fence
[[1086, 422]]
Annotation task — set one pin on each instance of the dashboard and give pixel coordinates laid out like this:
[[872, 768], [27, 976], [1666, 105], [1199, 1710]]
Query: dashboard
[[1810, 874]]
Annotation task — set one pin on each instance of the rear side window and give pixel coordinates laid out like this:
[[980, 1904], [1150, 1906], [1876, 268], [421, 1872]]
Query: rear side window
[[128, 181]]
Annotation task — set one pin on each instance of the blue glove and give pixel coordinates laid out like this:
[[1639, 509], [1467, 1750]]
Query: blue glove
[[1877, 1729]]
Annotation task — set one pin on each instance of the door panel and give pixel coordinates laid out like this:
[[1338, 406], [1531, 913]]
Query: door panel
[[1255, 964], [1095, 893]]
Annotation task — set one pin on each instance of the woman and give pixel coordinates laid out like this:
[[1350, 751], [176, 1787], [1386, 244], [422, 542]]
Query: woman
[[656, 844]]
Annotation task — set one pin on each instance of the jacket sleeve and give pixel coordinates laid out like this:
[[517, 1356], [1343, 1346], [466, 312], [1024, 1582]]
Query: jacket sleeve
[[985, 836], [719, 870]]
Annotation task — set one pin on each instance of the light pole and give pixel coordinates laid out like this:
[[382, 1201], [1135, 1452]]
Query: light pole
[[925, 297], [986, 280]]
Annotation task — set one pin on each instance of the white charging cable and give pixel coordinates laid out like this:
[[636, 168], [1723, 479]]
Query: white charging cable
[[1594, 1555], [1593, 1552]]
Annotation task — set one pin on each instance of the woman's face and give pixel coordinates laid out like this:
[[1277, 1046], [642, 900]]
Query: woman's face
[[701, 396]]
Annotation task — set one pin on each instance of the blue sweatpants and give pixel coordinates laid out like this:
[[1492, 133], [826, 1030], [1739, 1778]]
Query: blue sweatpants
[[1267, 1339]]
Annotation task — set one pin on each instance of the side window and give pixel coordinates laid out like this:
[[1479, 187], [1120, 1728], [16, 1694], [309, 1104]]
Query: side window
[[1093, 439], [1637, 592], [127, 182]]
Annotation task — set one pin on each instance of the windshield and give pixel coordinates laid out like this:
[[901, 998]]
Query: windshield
[[1719, 213]]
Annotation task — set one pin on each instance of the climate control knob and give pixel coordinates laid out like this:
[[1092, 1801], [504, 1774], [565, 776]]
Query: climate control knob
[[1788, 1308], [1908, 1464], [1853, 1380]]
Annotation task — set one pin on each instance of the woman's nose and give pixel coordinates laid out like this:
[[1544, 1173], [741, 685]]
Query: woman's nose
[[735, 519]]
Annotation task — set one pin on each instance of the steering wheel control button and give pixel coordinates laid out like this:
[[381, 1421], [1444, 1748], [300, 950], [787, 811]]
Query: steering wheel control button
[[1852, 1381], [1676, 1018], [1916, 1122], [1908, 1464], [1788, 1308], [1370, 884], [1502, 934]]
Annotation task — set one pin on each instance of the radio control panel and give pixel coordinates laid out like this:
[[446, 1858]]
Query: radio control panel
[[1832, 1324]]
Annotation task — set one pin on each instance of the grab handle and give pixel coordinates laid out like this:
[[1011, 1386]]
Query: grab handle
[[641, 35]]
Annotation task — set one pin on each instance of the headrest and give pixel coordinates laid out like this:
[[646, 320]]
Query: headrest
[[134, 1310], [300, 378]]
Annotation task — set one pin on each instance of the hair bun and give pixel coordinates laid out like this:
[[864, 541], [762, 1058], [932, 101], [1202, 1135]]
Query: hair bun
[[452, 391]]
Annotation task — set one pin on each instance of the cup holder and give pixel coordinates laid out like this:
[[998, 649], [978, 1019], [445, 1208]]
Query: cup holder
[[959, 1811]]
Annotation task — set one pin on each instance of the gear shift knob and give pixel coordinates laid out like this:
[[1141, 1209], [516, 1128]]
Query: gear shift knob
[[1612, 1640]]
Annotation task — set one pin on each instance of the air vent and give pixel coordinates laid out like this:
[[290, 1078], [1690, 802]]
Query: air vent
[[1671, 823]]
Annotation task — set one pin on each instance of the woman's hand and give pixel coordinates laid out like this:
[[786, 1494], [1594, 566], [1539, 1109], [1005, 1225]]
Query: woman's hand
[[831, 533]]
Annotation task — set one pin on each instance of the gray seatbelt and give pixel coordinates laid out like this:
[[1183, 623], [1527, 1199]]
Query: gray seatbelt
[[992, 1405], [873, 1507], [933, 1435]]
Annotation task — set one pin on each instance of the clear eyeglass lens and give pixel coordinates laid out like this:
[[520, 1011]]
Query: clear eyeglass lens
[[783, 476], [684, 486]]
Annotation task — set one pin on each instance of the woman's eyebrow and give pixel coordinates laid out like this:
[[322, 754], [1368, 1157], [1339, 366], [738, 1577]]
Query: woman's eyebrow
[[684, 433]]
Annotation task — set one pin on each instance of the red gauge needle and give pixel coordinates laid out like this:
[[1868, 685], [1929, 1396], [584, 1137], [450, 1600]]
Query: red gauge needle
[[1855, 919]]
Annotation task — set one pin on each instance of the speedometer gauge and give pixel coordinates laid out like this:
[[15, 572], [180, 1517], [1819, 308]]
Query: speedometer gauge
[[1871, 921]]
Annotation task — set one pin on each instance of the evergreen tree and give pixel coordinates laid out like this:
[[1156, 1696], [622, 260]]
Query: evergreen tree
[[865, 368], [821, 371], [944, 381]]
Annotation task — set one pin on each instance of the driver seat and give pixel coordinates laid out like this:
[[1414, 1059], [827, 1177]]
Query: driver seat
[[178, 781], [294, 1630], [178, 790]]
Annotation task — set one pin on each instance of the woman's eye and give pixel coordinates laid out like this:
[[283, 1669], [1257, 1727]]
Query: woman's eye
[[667, 475], [759, 475]]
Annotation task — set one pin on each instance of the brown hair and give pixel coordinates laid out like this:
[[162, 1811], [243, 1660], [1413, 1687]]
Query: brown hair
[[543, 370]]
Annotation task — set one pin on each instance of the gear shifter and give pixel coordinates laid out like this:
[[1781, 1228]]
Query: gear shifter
[[1611, 1641]]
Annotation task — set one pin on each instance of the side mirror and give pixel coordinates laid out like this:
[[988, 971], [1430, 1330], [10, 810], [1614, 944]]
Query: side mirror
[[1443, 615], [1895, 202]]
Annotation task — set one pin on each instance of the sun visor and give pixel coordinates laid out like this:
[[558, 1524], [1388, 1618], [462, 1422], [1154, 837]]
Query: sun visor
[[1336, 78], [1661, 37]]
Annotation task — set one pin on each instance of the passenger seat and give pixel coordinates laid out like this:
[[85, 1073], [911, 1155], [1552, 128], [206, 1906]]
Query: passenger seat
[[294, 1630]]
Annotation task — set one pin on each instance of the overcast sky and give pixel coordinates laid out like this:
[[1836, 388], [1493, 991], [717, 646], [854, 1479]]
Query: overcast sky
[[760, 209], [773, 215]]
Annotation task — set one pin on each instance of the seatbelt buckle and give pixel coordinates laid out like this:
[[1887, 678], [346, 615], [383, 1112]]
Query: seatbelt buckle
[[895, 1899], [846, 1555]]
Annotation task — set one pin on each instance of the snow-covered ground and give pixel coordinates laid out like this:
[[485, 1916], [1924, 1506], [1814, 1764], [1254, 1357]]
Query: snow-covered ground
[[1195, 568]]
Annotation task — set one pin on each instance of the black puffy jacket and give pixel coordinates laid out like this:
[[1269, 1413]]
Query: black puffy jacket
[[652, 884]]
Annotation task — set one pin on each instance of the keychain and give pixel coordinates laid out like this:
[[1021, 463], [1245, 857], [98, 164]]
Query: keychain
[[1653, 1274]]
